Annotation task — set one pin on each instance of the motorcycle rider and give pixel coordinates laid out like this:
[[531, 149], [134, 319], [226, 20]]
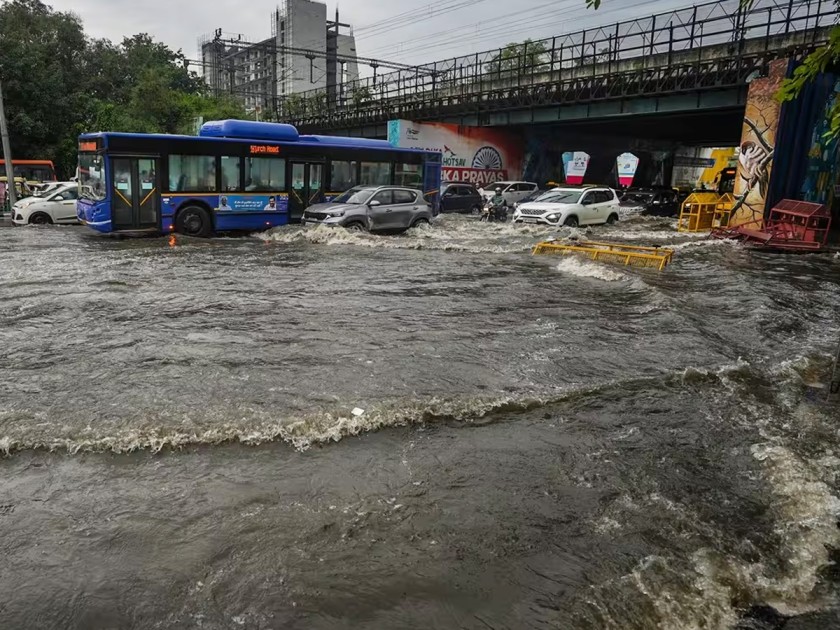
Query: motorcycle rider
[[497, 203]]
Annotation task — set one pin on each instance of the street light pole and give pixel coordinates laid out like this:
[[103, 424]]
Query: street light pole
[[7, 153]]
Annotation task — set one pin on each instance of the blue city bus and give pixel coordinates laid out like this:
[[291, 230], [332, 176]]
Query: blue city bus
[[235, 175]]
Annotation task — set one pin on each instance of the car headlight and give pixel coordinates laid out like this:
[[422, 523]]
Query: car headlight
[[553, 217], [336, 214]]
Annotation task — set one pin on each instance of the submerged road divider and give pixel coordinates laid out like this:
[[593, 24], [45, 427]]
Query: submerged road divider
[[615, 253]]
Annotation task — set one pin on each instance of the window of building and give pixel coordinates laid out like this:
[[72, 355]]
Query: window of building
[[342, 176], [192, 173], [375, 174], [230, 174], [265, 174], [409, 175]]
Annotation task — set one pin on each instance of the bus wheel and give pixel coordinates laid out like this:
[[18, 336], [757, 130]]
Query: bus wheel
[[193, 221]]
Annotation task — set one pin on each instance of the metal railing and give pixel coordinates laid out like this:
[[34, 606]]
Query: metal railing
[[678, 50]]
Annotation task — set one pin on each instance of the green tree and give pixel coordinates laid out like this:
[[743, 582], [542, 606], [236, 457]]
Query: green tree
[[514, 57], [361, 95], [40, 53], [58, 84], [816, 63]]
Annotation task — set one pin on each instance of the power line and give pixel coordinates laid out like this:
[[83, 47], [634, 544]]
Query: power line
[[442, 35], [428, 13], [524, 25], [410, 14]]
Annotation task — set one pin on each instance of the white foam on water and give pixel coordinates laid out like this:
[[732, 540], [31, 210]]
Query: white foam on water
[[583, 268], [655, 235], [807, 513], [484, 239]]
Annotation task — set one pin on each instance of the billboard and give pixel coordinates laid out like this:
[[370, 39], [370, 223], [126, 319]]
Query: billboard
[[575, 165], [627, 164], [699, 167], [477, 155]]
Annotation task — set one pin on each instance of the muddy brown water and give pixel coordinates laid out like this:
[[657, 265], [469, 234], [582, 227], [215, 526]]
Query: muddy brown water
[[545, 443]]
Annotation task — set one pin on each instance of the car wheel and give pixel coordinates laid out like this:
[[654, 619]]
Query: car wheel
[[613, 218], [40, 218], [476, 210], [420, 222], [356, 227], [194, 221], [571, 222]]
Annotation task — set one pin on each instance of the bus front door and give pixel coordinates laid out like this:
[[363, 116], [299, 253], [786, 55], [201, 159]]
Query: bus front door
[[136, 194], [307, 188]]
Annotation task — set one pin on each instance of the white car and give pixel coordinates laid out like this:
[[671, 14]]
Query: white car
[[56, 206], [45, 188], [588, 205], [511, 191]]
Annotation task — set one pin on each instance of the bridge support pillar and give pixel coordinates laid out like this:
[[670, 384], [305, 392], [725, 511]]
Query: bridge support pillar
[[758, 144]]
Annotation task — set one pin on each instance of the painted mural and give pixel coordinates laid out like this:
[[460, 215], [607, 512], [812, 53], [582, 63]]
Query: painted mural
[[478, 155], [821, 176], [758, 145]]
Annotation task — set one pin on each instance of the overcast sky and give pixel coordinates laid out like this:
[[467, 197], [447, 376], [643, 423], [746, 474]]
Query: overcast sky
[[419, 30]]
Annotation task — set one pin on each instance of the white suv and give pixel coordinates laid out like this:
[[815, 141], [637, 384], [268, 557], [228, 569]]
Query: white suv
[[511, 191], [587, 205]]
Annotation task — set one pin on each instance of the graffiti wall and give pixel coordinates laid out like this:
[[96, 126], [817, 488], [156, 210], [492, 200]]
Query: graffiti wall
[[758, 145], [478, 155], [821, 175]]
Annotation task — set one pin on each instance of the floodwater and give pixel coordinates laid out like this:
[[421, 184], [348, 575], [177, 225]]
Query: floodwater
[[545, 442]]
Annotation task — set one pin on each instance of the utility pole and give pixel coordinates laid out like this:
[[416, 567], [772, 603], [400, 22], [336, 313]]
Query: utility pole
[[7, 154]]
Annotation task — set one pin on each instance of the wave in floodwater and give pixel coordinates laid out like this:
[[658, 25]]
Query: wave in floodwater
[[304, 431], [584, 268], [458, 234]]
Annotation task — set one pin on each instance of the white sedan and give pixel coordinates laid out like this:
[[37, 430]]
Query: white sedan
[[56, 206], [588, 205]]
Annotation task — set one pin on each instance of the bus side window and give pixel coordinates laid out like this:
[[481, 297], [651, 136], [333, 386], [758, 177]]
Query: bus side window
[[194, 173], [231, 167]]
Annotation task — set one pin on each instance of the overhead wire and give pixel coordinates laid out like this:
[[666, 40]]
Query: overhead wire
[[419, 12], [522, 27]]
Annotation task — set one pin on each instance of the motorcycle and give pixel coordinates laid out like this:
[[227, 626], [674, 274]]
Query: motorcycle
[[492, 213]]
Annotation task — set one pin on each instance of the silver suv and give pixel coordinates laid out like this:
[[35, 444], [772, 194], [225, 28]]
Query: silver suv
[[384, 209]]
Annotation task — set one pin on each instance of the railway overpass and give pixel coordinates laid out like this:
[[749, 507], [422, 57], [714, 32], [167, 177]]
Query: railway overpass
[[682, 75]]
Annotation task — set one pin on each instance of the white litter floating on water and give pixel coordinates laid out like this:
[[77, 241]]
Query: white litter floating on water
[[358, 412]]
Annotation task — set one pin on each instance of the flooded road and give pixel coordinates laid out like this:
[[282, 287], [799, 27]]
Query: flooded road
[[545, 443]]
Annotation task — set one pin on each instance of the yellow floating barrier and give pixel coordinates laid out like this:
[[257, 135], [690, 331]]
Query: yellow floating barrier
[[723, 210], [698, 212], [616, 253]]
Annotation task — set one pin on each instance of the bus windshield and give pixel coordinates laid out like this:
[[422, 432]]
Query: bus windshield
[[91, 177]]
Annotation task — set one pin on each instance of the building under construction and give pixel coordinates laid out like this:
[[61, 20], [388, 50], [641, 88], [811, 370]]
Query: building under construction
[[305, 52]]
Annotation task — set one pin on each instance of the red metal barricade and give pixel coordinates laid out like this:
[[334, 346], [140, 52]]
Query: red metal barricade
[[794, 226]]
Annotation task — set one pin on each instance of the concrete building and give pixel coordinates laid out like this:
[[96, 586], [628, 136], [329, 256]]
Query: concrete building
[[305, 52]]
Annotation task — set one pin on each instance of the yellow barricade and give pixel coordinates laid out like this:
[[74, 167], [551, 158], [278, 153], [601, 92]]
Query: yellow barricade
[[617, 253], [723, 210], [698, 212]]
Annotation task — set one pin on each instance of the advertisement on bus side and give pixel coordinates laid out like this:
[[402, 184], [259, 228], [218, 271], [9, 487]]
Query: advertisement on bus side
[[278, 202]]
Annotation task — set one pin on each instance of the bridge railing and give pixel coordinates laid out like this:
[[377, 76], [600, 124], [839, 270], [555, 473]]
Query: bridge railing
[[651, 42]]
